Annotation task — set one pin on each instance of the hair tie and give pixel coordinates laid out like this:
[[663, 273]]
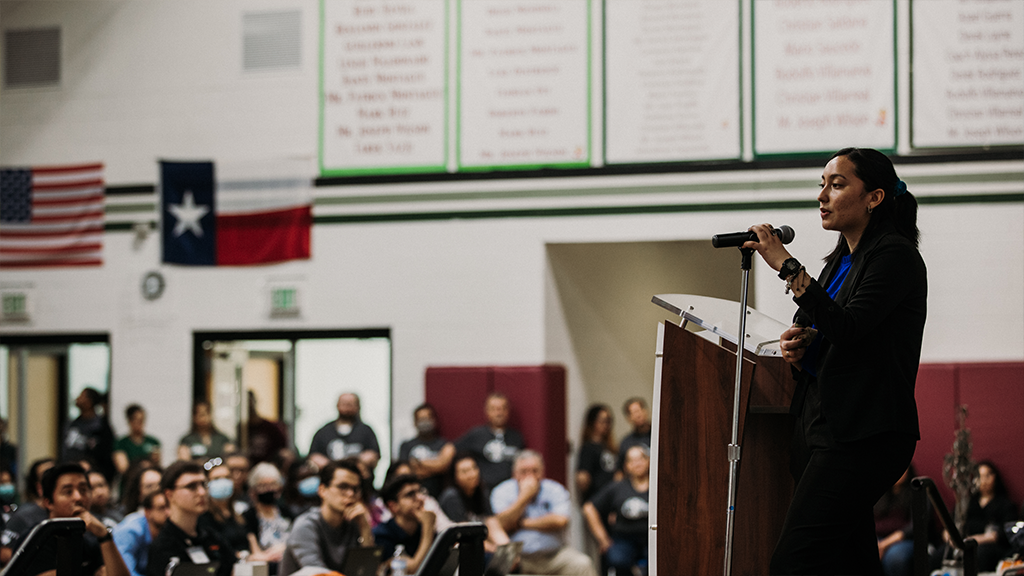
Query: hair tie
[[901, 188]]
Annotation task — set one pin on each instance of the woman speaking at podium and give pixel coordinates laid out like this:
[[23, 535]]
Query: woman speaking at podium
[[854, 347]]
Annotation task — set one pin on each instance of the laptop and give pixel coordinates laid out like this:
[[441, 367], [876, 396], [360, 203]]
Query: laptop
[[362, 561], [190, 569], [505, 557]]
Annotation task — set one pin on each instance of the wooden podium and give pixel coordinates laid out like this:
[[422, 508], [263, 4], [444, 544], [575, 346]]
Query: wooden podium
[[692, 429]]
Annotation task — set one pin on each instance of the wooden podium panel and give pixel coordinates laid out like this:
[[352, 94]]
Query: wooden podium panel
[[694, 431]]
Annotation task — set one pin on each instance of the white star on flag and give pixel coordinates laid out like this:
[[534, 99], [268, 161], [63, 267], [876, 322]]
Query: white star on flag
[[188, 215]]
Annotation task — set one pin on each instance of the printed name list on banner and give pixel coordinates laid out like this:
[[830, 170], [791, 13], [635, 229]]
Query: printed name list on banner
[[968, 61], [523, 85], [383, 75], [672, 80], [823, 75]]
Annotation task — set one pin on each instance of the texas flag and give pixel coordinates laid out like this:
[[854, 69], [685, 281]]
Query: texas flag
[[232, 223]]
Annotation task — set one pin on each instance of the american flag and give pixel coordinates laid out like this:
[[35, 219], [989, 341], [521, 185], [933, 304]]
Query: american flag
[[51, 216]]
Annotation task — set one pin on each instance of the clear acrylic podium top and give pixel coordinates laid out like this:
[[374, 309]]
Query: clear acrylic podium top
[[722, 318]]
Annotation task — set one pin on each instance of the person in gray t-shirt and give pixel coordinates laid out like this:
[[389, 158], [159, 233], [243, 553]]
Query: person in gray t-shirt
[[322, 536]]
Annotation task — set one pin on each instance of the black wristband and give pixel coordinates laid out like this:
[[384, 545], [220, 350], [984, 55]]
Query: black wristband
[[106, 537], [790, 267]]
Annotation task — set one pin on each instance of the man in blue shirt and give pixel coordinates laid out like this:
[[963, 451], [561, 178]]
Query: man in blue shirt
[[535, 511], [136, 532]]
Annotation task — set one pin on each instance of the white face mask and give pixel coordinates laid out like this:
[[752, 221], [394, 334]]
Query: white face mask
[[425, 426], [344, 429]]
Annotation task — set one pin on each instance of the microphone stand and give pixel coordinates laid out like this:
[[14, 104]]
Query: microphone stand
[[734, 447]]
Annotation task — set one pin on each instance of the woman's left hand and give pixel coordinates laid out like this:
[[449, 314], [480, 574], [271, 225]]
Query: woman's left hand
[[794, 341], [768, 245]]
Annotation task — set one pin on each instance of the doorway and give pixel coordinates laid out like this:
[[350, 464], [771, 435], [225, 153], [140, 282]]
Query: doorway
[[40, 378], [292, 380]]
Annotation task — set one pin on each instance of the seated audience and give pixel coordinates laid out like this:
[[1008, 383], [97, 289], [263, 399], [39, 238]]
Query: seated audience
[[410, 526], [238, 464], [143, 479], [301, 488], [989, 509], [29, 514], [595, 465], [203, 442], [135, 534], [402, 468], [100, 501], [372, 501], [182, 536], [222, 516], [66, 494], [468, 500], [137, 445], [894, 527], [494, 445], [322, 536], [639, 417], [428, 453], [535, 510], [8, 496], [266, 522], [623, 507]]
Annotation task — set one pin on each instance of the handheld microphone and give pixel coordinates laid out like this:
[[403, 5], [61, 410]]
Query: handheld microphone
[[785, 233]]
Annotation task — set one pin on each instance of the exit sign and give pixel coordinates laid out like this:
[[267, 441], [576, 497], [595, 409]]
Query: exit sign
[[284, 302], [14, 306]]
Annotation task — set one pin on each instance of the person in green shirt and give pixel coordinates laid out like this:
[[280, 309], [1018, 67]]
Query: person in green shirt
[[137, 445]]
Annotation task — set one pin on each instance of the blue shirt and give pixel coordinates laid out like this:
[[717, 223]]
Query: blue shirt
[[553, 498], [132, 539], [810, 359]]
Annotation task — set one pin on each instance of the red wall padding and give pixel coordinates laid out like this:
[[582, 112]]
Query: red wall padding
[[536, 395], [994, 395]]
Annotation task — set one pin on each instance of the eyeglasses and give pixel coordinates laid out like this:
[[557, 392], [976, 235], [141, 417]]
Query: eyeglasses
[[346, 488], [194, 486], [413, 493]]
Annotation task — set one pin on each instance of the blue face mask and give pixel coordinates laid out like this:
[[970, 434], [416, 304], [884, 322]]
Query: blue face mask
[[309, 486], [221, 488], [7, 492]]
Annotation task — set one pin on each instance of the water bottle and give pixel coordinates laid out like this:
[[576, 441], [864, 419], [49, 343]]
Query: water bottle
[[171, 566], [398, 563]]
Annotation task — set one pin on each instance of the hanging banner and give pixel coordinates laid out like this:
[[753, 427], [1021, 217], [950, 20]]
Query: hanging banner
[[824, 75], [968, 73]]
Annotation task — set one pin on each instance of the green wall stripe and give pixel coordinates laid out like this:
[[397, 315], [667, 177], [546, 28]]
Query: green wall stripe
[[675, 188], [1003, 198], [125, 208], [633, 210]]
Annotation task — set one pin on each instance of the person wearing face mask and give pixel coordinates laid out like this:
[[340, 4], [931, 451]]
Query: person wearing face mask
[[429, 454], [267, 523], [221, 517], [346, 436], [30, 513], [300, 490], [8, 493]]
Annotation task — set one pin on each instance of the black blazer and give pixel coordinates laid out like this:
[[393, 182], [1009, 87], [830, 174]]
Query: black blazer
[[871, 347]]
